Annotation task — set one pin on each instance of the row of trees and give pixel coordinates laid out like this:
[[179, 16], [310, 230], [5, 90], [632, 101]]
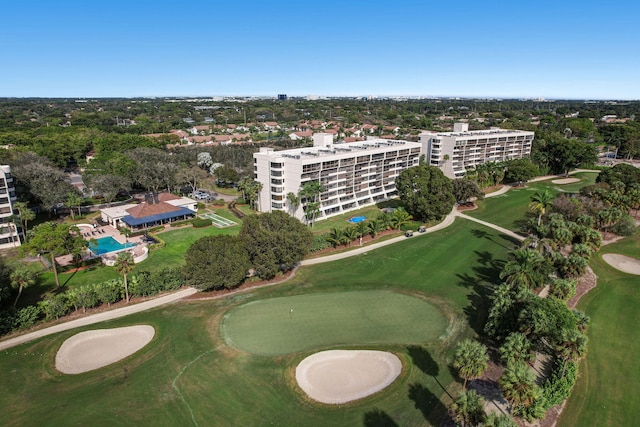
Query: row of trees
[[393, 220]]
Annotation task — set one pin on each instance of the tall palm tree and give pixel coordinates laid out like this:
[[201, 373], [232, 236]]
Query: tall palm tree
[[21, 278], [124, 265], [470, 359], [540, 201], [25, 215], [310, 194], [294, 202], [526, 269], [518, 385]]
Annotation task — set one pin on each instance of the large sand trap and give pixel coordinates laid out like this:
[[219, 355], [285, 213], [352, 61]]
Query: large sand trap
[[91, 350], [565, 181], [340, 376], [623, 263]]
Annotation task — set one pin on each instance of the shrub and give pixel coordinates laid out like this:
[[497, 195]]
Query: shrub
[[167, 279], [320, 242], [625, 227], [201, 222], [55, 306], [241, 201], [159, 245], [200, 206], [109, 292], [557, 387], [27, 316], [8, 319], [219, 202]]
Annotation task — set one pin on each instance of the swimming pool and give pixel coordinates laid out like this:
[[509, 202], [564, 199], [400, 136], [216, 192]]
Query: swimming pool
[[357, 219], [108, 244]]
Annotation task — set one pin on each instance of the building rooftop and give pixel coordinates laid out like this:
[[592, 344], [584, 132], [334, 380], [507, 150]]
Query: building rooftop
[[495, 131], [338, 149]]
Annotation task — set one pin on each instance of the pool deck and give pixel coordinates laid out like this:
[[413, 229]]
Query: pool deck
[[98, 232]]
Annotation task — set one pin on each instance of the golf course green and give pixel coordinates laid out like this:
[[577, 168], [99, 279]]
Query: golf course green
[[285, 325]]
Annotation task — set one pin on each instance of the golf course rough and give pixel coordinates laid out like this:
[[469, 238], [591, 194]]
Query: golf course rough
[[286, 325]]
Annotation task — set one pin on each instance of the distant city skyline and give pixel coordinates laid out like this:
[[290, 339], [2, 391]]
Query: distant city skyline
[[492, 49]]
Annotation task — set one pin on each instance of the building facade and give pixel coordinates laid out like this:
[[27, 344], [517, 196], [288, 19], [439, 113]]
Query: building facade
[[352, 175], [9, 236], [455, 152]]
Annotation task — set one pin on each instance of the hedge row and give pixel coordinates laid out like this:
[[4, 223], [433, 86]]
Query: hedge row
[[55, 306]]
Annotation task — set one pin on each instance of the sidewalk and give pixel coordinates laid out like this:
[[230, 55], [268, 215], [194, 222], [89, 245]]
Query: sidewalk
[[97, 318]]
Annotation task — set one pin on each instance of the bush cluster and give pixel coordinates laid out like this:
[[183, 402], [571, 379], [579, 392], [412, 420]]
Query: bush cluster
[[88, 296], [201, 222]]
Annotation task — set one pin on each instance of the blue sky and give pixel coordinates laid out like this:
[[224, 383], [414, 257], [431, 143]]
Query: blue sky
[[94, 48]]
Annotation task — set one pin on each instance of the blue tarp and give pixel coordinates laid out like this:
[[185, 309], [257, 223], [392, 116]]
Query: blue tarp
[[135, 222]]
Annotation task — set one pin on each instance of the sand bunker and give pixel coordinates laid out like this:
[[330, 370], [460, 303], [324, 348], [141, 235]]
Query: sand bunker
[[340, 376], [623, 263], [91, 350], [565, 181]]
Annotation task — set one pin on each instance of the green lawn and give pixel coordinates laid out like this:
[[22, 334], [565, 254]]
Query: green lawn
[[607, 392], [292, 324], [188, 375], [510, 210]]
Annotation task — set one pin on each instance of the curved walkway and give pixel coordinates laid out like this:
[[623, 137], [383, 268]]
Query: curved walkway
[[99, 317]]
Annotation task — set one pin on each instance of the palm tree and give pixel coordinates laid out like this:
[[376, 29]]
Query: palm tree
[[516, 348], [124, 265], [470, 359], [74, 200], [375, 227], [399, 218], [518, 385], [468, 408], [525, 270], [499, 420], [310, 194], [25, 215], [335, 236], [350, 234], [572, 347], [540, 201], [21, 278], [294, 202], [362, 228]]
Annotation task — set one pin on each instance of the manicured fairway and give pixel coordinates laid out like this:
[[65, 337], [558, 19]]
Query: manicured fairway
[[287, 325], [607, 392]]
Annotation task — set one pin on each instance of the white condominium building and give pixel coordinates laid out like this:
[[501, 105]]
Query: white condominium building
[[8, 233], [455, 152], [352, 175]]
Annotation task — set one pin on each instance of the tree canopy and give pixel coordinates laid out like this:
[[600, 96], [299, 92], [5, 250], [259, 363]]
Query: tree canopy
[[426, 192], [274, 240], [217, 262]]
